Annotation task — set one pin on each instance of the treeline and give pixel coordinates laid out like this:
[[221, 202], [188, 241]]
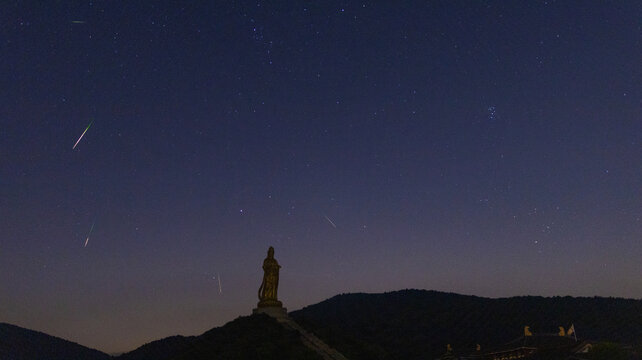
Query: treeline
[[417, 324]]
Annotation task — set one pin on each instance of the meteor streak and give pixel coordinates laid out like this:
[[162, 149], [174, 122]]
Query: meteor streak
[[90, 230], [218, 276], [327, 218], [83, 134]]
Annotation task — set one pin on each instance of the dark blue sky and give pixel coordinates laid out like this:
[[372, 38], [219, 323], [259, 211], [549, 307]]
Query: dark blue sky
[[487, 148]]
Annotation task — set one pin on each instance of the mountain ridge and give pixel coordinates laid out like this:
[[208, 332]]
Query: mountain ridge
[[402, 324], [18, 343], [367, 326]]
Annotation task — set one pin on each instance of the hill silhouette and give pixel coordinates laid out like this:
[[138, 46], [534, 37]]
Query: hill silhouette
[[407, 324], [160, 349], [18, 343], [417, 324], [250, 337]]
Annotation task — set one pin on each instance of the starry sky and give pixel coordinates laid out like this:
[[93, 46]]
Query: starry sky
[[490, 148]]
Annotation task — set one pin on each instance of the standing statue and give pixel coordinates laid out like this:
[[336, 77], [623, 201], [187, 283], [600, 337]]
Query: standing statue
[[267, 291]]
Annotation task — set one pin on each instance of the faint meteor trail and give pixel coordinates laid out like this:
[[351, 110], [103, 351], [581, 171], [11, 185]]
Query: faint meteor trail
[[90, 230], [218, 276], [83, 134], [327, 218]]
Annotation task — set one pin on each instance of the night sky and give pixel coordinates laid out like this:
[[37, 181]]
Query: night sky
[[485, 148]]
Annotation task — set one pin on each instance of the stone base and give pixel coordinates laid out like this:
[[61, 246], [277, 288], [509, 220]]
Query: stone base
[[273, 311], [269, 303]]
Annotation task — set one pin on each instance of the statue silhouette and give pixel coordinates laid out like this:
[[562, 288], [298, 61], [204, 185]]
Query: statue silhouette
[[270, 284]]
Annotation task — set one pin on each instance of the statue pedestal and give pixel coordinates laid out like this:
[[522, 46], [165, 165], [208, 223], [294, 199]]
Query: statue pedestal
[[273, 311], [269, 303]]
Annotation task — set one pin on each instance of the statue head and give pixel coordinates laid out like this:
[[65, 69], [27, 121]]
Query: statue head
[[271, 253]]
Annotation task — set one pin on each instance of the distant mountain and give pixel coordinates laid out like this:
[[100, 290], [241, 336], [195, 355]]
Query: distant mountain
[[251, 337], [417, 324], [18, 343]]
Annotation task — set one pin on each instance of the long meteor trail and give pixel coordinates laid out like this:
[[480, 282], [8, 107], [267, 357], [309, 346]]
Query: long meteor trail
[[83, 134], [90, 230]]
